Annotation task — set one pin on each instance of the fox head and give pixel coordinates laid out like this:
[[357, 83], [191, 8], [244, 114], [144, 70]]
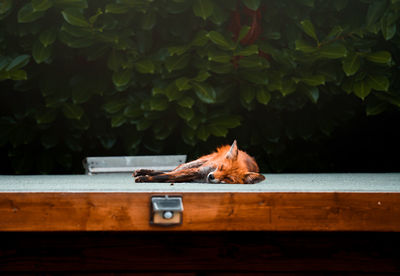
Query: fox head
[[235, 166]]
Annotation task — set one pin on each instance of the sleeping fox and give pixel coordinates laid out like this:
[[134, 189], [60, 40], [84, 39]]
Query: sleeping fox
[[227, 165]]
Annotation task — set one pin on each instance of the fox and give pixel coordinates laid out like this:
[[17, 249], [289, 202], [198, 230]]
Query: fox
[[227, 165]]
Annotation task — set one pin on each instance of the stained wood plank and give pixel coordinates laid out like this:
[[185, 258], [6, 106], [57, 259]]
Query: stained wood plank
[[203, 212], [326, 253]]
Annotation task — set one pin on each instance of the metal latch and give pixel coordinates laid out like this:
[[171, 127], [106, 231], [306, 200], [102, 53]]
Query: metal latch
[[166, 210]]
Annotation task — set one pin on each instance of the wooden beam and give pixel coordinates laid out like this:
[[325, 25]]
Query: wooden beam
[[279, 211]]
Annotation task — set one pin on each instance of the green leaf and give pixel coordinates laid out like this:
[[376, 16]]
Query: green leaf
[[247, 93], [72, 111], [221, 41], [307, 3], [116, 8], [244, 30], [204, 92], [185, 113], [248, 51], [148, 20], [115, 60], [226, 121], [133, 111], [82, 4], [203, 8], [335, 32], [114, 106], [174, 63], [5, 7], [256, 77], [186, 101], [107, 140], [82, 124], [202, 76], [94, 17], [362, 89], [41, 5], [382, 57], [48, 37], [81, 94], [263, 96], [172, 92], [288, 87], [309, 29], [202, 133], [252, 4], [379, 83], [75, 17], [49, 140], [143, 124], [122, 78], [375, 107], [305, 47], [18, 62], [45, 116], [117, 121], [219, 56], [27, 14], [188, 135], [73, 42], [219, 16], [158, 103], [221, 68], [200, 39], [388, 25], [333, 51], [375, 11], [178, 50], [183, 84], [217, 131], [254, 62], [41, 53], [18, 75], [351, 64], [312, 93], [312, 80], [340, 4], [145, 66]]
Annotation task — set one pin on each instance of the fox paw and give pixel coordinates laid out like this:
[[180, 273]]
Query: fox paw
[[141, 178], [140, 172]]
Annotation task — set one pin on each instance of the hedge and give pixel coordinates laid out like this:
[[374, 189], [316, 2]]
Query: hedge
[[110, 77]]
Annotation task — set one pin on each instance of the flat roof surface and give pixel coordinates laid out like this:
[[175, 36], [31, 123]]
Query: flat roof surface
[[338, 182]]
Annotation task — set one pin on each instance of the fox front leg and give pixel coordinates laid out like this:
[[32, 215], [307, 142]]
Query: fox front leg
[[141, 172], [187, 175]]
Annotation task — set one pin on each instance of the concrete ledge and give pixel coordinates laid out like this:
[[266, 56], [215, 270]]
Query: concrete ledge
[[365, 183]]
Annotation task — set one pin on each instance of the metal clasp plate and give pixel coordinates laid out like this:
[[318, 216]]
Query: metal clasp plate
[[166, 210]]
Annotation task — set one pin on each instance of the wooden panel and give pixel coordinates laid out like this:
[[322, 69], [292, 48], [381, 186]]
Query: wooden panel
[[203, 212], [210, 252]]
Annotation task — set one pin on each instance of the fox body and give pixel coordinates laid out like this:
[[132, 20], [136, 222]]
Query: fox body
[[227, 164]]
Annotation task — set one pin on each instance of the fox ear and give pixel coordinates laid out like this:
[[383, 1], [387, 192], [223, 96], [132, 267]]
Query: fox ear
[[252, 177], [233, 151]]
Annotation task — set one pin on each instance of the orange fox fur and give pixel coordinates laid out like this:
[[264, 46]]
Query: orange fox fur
[[227, 165]]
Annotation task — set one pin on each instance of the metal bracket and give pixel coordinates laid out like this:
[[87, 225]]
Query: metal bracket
[[128, 164], [166, 210]]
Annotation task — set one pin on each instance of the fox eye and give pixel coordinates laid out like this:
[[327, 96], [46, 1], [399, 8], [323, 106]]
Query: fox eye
[[221, 167]]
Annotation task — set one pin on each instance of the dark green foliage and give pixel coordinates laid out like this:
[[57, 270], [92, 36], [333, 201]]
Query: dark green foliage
[[86, 77]]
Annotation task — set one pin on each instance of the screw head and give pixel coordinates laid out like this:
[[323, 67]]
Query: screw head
[[168, 215]]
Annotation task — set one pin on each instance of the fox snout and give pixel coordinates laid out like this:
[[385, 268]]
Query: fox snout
[[211, 178]]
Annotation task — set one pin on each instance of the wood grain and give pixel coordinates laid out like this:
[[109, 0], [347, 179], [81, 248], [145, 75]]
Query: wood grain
[[202, 212]]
